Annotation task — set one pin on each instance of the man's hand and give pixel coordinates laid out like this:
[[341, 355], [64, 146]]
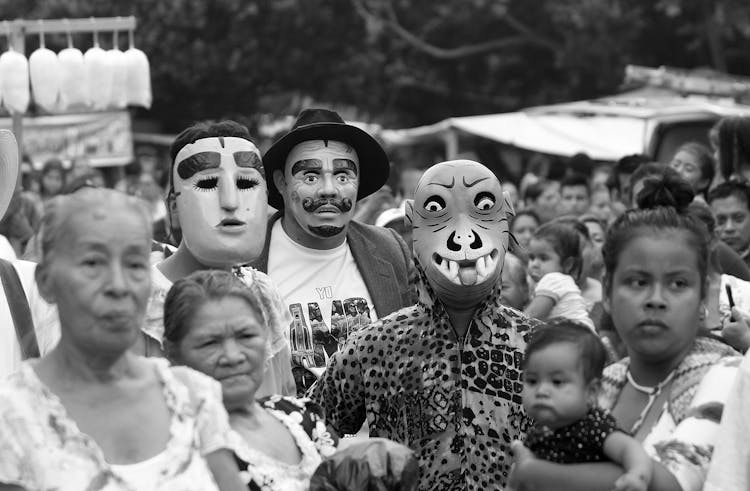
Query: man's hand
[[737, 332]]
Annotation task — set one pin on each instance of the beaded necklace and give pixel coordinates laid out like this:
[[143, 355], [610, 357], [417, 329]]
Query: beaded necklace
[[651, 392]]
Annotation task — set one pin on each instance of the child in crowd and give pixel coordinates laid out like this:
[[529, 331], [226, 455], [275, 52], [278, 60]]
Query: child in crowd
[[555, 263], [562, 367], [514, 291]]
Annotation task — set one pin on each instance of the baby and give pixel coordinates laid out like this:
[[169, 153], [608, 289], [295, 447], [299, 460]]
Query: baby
[[562, 368]]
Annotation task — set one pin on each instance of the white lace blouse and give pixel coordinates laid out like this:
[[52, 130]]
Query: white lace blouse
[[42, 448]]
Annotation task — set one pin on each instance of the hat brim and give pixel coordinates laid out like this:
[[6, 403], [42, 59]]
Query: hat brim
[[8, 169], [374, 167]]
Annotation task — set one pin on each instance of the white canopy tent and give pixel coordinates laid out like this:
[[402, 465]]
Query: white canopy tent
[[605, 129]]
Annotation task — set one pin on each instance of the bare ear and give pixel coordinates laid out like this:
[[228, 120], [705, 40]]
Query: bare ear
[[409, 212], [279, 181], [43, 282]]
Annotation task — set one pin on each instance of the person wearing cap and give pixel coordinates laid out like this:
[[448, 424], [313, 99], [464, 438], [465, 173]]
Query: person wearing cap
[[217, 203], [28, 324], [318, 256]]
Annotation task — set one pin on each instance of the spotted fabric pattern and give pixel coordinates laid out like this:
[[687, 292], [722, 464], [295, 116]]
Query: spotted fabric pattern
[[578, 442], [456, 403]]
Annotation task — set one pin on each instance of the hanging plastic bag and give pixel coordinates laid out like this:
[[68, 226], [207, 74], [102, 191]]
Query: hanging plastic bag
[[376, 464], [99, 74], [46, 76], [15, 81], [119, 75], [74, 85], [138, 76]]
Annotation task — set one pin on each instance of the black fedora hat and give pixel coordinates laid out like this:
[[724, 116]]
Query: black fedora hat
[[324, 124]]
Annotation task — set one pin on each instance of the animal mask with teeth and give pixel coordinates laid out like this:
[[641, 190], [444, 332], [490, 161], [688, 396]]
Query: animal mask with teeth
[[459, 217]]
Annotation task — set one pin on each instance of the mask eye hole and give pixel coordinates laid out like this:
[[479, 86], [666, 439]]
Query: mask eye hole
[[434, 203], [484, 201]]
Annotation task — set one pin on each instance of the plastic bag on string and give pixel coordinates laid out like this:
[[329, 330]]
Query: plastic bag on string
[[74, 84], [14, 83], [138, 76], [376, 464], [46, 78]]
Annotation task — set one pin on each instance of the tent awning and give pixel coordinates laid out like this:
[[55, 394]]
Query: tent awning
[[605, 129]]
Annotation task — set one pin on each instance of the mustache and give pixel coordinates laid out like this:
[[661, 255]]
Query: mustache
[[310, 205]]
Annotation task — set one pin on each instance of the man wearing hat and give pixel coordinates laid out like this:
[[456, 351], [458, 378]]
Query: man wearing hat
[[28, 324], [321, 260]]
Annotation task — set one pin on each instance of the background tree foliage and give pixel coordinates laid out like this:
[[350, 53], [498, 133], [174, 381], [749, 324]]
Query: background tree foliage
[[402, 62]]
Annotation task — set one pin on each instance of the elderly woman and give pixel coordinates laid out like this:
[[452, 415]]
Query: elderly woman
[[91, 414], [214, 323]]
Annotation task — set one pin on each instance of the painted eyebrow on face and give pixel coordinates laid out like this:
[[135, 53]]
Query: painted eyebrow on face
[[470, 184], [316, 164], [198, 162], [447, 186]]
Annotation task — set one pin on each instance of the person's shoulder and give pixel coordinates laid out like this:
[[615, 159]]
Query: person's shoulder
[[384, 234], [198, 384], [18, 391]]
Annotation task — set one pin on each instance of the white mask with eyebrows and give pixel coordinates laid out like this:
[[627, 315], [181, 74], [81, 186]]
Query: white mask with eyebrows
[[221, 196]]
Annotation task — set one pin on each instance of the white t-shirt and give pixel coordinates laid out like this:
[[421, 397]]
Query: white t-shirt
[[563, 290], [325, 295], [43, 315]]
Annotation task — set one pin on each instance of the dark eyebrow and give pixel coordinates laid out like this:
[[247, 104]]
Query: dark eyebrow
[[248, 159], [188, 167], [306, 165], [468, 185], [344, 164], [447, 186]]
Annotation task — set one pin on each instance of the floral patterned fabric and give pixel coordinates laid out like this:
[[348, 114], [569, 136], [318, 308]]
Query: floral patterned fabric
[[304, 421], [41, 448], [455, 402], [682, 439], [277, 376]]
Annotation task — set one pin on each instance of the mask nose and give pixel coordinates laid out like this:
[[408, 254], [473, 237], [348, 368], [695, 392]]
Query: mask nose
[[463, 237]]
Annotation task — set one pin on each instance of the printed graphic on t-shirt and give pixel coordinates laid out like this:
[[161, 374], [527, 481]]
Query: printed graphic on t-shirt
[[312, 341]]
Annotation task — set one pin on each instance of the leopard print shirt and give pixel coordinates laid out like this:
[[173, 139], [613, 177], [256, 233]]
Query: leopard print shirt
[[457, 404]]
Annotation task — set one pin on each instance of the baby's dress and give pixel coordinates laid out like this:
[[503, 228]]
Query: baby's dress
[[581, 441], [569, 302]]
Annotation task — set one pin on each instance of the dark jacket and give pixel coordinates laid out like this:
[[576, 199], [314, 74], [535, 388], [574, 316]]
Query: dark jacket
[[383, 259]]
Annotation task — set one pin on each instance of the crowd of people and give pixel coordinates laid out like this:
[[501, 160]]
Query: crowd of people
[[285, 321]]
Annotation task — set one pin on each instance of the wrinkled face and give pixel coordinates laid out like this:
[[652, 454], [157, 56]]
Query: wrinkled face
[[654, 296], [99, 277], [226, 340], [220, 195], [555, 393], [319, 186], [460, 230], [732, 221]]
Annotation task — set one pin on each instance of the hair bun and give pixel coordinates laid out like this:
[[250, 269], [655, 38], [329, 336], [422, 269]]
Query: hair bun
[[667, 189]]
